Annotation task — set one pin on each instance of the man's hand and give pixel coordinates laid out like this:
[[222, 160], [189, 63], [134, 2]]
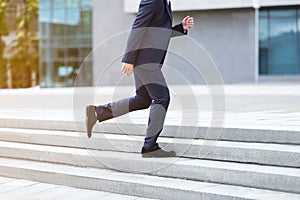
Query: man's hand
[[127, 69], [188, 23]]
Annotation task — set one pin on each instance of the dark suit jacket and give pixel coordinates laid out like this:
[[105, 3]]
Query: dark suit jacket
[[151, 32]]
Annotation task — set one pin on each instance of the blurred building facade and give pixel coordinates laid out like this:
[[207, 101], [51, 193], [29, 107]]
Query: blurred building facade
[[65, 33], [250, 41]]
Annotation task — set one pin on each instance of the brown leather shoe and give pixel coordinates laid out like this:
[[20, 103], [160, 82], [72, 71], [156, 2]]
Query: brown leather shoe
[[158, 153], [91, 119]]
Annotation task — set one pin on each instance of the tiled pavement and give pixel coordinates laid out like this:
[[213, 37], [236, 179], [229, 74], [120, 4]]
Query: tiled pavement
[[18, 189]]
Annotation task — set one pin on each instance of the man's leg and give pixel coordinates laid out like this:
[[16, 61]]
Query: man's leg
[[161, 99], [101, 113], [123, 106], [140, 101], [155, 84]]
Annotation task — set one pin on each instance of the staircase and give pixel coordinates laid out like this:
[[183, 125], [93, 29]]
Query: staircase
[[242, 164]]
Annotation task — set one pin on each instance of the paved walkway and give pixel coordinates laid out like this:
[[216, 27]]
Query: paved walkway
[[257, 106], [18, 189]]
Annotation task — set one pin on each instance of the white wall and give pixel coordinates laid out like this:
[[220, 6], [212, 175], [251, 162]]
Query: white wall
[[131, 6]]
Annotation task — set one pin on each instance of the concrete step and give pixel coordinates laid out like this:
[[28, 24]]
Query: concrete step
[[250, 134], [132, 184], [240, 174], [246, 152]]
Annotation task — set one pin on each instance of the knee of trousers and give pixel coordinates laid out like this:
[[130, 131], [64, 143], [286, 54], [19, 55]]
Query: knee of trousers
[[144, 102], [164, 101]]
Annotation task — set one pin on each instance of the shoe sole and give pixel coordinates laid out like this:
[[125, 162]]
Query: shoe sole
[[153, 156]]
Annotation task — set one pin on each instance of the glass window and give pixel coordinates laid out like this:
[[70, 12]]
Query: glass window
[[283, 49], [65, 71], [264, 46], [73, 3], [42, 43], [44, 30], [54, 53], [44, 4], [86, 22], [57, 67], [87, 40], [298, 67], [283, 13], [264, 60], [65, 29], [45, 16], [73, 16], [263, 13], [43, 72], [59, 16], [279, 41], [86, 3], [263, 32], [42, 52], [73, 52], [59, 42], [73, 31], [86, 52], [58, 29], [58, 3], [61, 53]]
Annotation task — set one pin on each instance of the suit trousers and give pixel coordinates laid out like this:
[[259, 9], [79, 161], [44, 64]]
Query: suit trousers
[[151, 91]]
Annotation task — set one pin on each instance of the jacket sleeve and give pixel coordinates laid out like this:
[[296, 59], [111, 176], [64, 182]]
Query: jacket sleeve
[[147, 11], [178, 31]]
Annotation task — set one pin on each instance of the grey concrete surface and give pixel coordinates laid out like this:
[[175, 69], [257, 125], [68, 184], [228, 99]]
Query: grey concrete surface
[[261, 153], [18, 189], [132, 184], [257, 155], [240, 174], [244, 133]]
